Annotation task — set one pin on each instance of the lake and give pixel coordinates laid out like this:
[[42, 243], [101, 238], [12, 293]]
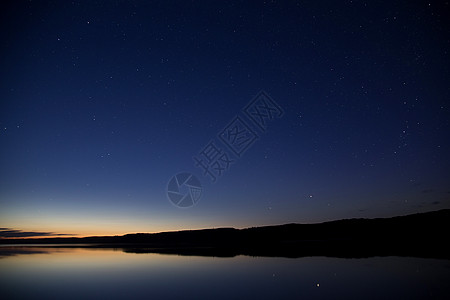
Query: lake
[[97, 273]]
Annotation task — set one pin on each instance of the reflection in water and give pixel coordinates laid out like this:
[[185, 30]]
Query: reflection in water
[[74, 273]]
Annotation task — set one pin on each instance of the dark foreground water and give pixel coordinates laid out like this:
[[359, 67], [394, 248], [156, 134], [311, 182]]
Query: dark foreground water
[[86, 273]]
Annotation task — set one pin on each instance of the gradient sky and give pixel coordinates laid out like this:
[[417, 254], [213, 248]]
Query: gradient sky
[[102, 102]]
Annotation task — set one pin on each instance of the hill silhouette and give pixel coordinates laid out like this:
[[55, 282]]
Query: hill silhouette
[[420, 235]]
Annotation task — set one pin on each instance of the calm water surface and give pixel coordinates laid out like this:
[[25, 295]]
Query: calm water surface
[[85, 273]]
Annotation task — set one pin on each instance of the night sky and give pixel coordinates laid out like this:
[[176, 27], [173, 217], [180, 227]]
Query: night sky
[[102, 102]]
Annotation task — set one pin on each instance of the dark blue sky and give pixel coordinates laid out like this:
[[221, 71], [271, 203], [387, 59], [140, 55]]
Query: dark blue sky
[[102, 102]]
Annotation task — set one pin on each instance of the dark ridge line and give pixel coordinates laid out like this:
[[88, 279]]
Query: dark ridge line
[[419, 235]]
